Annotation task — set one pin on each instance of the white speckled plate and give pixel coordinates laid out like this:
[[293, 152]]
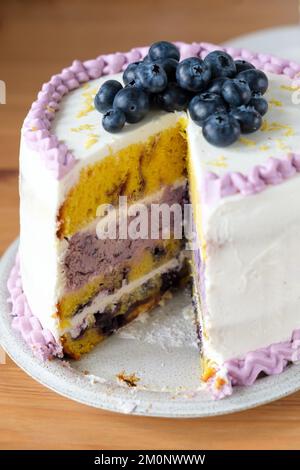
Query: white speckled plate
[[159, 349]]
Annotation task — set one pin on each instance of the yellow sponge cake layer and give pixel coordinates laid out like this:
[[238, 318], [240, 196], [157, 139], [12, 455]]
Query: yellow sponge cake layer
[[134, 269], [135, 171]]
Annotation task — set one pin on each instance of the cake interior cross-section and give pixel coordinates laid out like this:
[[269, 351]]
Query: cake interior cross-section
[[172, 126]]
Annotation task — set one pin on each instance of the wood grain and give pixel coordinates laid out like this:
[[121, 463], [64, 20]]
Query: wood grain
[[37, 39]]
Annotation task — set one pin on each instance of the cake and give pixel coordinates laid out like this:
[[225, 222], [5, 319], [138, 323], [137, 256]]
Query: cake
[[70, 289]]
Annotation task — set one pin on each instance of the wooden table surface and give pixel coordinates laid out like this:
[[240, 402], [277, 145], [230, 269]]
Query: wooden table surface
[[37, 39]]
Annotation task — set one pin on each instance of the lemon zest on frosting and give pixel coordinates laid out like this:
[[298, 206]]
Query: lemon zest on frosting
[[264, 148], [91, 140], [83, 127], [277, 103], [88, 102], [247, 142], [281, 145], [289, 88], [219, 162], [277, 126]]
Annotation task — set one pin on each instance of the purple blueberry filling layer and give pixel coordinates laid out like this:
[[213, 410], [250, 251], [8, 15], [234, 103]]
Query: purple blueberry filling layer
[[88, 256]]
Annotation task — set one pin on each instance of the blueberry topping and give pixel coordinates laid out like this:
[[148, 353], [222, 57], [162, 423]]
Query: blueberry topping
[[221, 64], [215, 85], [256, 79], [193, 74], [259, 103], [147, 60], [173, 98], [236, 92], [134, 83], [169, 66], [163, 50], [104, 98], [129, 72], [152, 77], [249, 119], [113, 120], [223, 95], [242, 65], [221, 129], [134, 103], [202, 106]]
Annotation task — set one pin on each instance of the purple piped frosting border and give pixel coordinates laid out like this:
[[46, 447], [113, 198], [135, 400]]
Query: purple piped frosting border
[[271, 360], [39, 339], [60, 160]]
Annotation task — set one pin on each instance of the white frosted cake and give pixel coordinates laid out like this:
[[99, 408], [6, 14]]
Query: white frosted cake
[[77, 289]]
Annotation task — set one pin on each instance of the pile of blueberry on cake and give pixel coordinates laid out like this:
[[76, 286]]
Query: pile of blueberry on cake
[[223, 96]]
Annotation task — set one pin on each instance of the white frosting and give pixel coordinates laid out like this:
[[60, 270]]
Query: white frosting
[[252, 271]]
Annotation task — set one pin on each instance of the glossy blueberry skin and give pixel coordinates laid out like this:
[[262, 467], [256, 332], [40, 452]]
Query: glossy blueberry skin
[[104, 98], [152, 77], [204, 105], [215, 85], [170, 67], [147, 60], [113, 120], [134, 83], [193, 74], [129, 72], [134, 103], [236, 92], [163, 50], [221, 129], [242, 65], [256, 79], [259, 103], [249, 119], [173, 98], [221, 64]]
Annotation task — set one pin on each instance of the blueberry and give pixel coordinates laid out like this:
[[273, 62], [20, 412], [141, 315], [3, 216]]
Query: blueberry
[[147, 60], [236, 92], [134, 83], [163, 50], [221, 64], [129, 72], [215, 85], [152, 77], [259, 103], [173, 98], [221, 129], [256, 79], [104, 98], [242, 65], [202, 106], [134, 103], [193, 74], [169, 66], [113, 120], [249, 119]]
